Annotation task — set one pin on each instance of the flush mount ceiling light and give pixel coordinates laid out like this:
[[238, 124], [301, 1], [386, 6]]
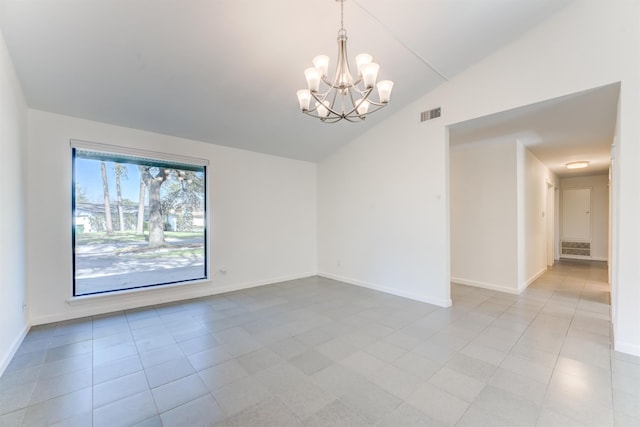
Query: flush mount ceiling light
[[345, 97], [577, 165]]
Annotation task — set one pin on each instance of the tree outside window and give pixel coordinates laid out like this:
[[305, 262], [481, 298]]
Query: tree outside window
[[138, 222]]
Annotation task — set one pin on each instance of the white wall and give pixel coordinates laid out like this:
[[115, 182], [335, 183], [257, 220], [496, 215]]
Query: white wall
[[599, 185], [498, 196], [553, 225], [382, 199], [532, 223], [263, 216], [382, 212], [483, 190], [13, 126]]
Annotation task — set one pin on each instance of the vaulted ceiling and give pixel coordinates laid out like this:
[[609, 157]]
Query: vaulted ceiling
[[226, 71]]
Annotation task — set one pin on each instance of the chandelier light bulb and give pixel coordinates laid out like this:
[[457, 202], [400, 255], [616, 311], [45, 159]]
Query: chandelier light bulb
[[323, 111], [313, 76], [304, 99], [363, 59], [363, 108], [370, 74], [321, 62], [384, 90]]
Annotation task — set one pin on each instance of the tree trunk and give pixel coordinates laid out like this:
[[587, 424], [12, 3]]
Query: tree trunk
[[141, 197], [118, 169], [156, 229], [107, 204], [153, 183]]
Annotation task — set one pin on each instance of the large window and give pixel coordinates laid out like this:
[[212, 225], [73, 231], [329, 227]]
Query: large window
[[139, 219]]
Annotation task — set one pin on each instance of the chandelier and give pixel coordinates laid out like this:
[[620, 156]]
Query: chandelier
[[345, 97]]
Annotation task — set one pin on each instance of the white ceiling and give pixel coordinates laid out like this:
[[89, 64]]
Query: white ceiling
[[571, 128], [226, 71]]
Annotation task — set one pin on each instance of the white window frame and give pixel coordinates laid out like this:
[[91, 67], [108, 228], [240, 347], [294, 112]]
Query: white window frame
[[124, 152]]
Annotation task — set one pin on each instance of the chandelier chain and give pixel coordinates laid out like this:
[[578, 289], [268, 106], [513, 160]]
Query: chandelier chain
[[342, 14]]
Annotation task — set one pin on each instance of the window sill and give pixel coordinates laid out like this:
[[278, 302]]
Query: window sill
[[107, 296]]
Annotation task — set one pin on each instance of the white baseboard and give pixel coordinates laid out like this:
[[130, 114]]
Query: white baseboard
[[440, 302], [532, 279], [255, 284], [485, 285], [623, 347], [105, 303], [585, 258], [5, 359], [500, 288]]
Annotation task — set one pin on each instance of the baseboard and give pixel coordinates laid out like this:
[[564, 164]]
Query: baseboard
[[585, 258], [13, 348], [623, 347], [102, 304], [410, 295], [255, 284], [532, 279], [484, 285]]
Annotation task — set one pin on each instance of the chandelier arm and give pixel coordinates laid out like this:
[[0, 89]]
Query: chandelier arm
[[333, 103], [353, 101], [315, 116], [371, 111], [368, 96], [321, 99], [328, 119], [377, 104], [315, 107], [356, 104], [362, 92], [330, 86], [354, 114], [349, 115], [351, 119], [331, 106], [333, 119], [339, 117], [376, 108], [310, 113]]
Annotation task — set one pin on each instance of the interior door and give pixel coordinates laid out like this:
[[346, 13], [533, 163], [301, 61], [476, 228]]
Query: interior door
[[576, 214]]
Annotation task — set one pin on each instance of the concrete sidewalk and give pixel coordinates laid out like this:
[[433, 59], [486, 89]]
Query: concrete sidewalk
[[128, 280]]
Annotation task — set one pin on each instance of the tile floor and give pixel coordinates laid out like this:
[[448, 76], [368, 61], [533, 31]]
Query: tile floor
[[316, 352]]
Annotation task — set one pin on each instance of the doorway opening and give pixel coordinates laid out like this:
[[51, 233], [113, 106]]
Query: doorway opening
[[516, 210]]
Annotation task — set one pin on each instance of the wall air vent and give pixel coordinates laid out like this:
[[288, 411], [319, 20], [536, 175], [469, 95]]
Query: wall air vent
[[430, 114]]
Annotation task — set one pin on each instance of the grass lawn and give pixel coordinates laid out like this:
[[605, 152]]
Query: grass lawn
[[197, 252], [129, 237]]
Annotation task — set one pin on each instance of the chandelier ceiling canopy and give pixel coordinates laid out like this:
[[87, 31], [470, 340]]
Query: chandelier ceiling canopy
[[343, 97]]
